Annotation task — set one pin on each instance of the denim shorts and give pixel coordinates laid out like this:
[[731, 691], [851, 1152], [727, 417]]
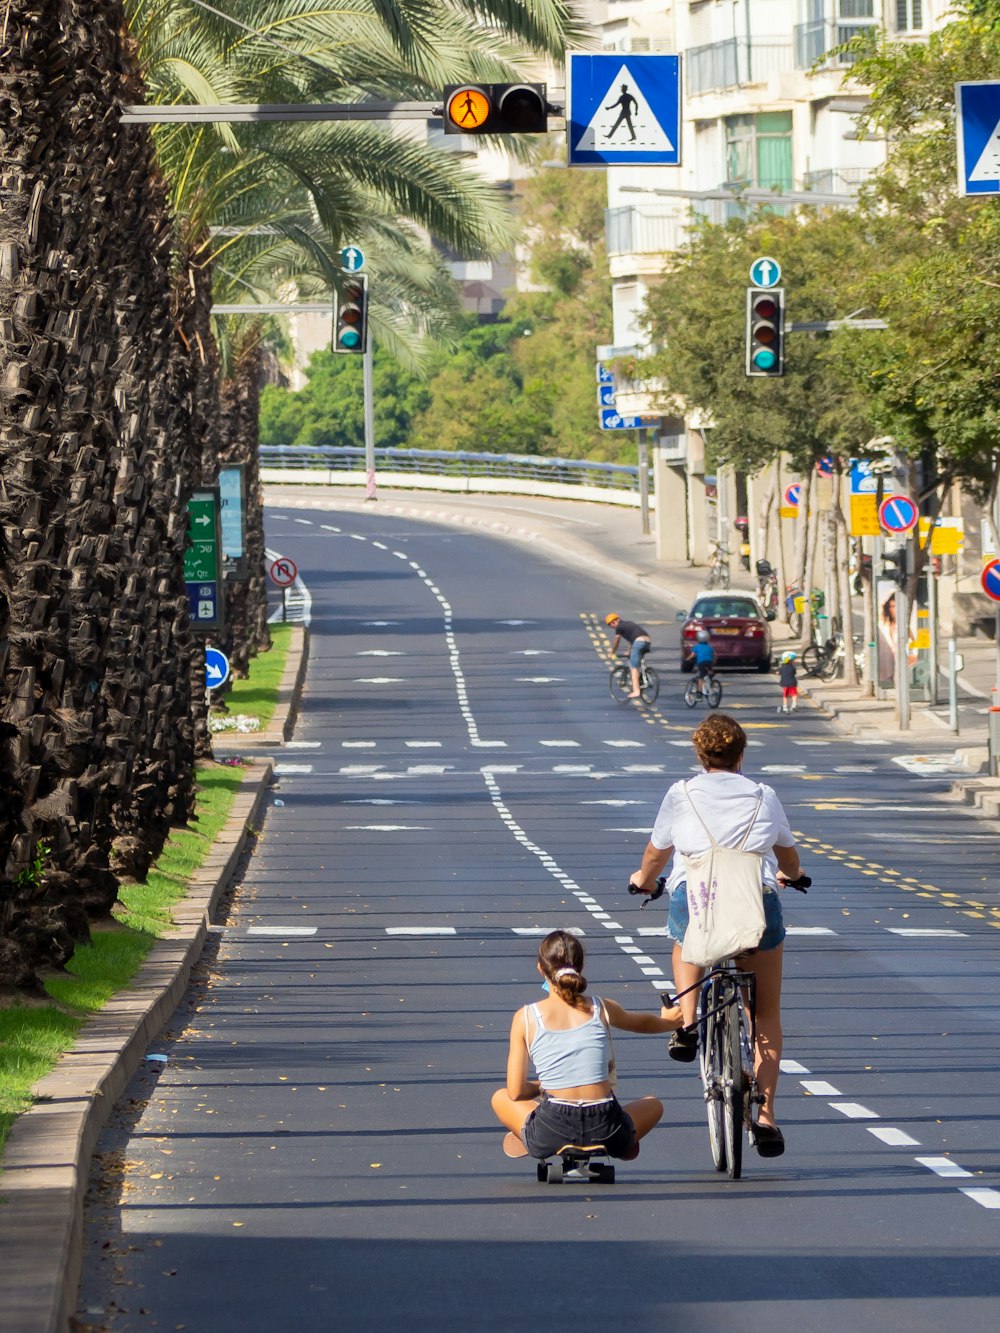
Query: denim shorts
[[774, 924], [638, 651], [554, 1124]]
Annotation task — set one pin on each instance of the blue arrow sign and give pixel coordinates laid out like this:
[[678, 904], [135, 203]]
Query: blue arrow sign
[[604, 375], [765, 272], [606, 395], [623, 109], [216, 668], [352, 259], [978, 125], [611, 419]]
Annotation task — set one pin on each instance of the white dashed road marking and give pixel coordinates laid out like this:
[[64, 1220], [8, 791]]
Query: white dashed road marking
[[854, 1111], [281, 930], [895, 1138]]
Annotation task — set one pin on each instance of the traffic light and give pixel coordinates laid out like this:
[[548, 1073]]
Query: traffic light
[[765, 331], [495, 108], [894, 566], [350, 319]]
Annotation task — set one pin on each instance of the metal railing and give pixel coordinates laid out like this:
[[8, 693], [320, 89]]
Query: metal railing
[[734, 62], [817, 41], [449, 464], [646, 229]]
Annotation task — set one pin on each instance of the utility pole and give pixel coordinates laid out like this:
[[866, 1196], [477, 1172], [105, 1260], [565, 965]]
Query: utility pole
[[642, 438], [903, 659]]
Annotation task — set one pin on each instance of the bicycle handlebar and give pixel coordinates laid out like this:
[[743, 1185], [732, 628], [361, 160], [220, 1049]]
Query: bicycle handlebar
[[801, 885], [661, 884]]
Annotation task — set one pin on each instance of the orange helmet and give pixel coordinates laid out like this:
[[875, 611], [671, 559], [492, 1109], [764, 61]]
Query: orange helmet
[[611, 616]]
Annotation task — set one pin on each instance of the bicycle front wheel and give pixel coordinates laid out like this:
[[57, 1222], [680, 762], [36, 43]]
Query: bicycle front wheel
[[735, 1090], [649, 685], [832, 667], [619, 683], [710, 1034], [714, 692], [724, 576], [691, 694], [812, 660]]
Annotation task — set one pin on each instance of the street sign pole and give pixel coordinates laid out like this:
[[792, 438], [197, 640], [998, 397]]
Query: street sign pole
[[932, 615], [643, 479], [369, 392], [953, 686], [903, 659]]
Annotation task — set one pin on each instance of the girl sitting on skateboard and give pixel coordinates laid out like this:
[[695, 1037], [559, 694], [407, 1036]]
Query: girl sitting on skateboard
[[567, 1038]]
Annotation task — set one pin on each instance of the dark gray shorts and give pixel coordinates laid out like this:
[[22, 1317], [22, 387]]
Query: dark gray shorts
[[553, 1124]]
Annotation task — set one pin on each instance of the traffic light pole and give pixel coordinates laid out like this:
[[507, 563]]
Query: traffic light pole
[[369, 393]]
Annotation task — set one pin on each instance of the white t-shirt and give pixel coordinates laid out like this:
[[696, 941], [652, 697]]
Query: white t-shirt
[[725, 802]]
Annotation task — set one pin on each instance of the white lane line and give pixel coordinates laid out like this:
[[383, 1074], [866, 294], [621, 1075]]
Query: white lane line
[[422, 770], [942, 1166], [328, 527], [854, 1111], [651, 931], [812, 742], [633, 949], [599, 915], [619, 803], [895, 1138], [792, 1067], [376, 800], [423, 745], [380, 624], [389, 828], [644, 768], [379, 652], [809, 930], [306, 522], [626, 745], [571, 744], [540, 680], [854, 768], [515, 622], [986, 1197], [817, 1088], [613, 925], [532, 652], [643, 828], [651, 971], [315, 745], [502, 768], [281, 769], [782, 768], [379, 680], [381, 546], [545, 930], [488, 745], [356, 769], [572, 768], [640, 957], [921, 933], [281, 930], [421, 930], [358, 745]]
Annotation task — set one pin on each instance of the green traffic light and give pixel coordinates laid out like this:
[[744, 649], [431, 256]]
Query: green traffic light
[[350, 338], [764, 359]]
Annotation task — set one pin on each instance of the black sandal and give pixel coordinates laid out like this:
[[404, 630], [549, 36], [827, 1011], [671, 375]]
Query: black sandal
[[768, 1140]]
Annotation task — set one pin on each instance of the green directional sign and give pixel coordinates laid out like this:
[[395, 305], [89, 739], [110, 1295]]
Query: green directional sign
[[203, 560]]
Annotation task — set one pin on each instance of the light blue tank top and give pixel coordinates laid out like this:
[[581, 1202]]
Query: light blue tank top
[[570, 1059]]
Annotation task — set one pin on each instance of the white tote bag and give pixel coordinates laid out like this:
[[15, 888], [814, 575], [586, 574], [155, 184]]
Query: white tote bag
[[725, 897]]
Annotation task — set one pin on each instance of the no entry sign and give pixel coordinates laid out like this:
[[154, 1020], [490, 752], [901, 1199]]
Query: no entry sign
[[898, 513], [284, 572]]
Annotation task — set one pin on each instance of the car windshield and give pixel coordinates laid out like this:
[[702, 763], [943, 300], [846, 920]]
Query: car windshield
[[725, 606]]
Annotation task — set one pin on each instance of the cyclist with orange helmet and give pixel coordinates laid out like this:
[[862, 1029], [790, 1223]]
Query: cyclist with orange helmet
[[639, 644]]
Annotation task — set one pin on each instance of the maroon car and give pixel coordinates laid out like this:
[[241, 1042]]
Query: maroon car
[[737, 626]]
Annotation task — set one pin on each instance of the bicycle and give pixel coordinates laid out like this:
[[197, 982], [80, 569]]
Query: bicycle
[[727, 1015], [620, 681], [718, 570], [826, 660], [767, 585], [711, 691]]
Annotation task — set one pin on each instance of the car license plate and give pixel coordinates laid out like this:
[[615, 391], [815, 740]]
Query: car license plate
[[726, 631]]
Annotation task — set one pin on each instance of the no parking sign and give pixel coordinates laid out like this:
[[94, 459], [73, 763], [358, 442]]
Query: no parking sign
[[990, 580], [898, 513]]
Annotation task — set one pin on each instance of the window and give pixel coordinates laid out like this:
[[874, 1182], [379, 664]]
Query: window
[[909, 15], [856, 9], [759, 150]]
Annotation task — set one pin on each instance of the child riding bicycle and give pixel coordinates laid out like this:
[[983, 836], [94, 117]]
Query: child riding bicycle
[[704, 658]]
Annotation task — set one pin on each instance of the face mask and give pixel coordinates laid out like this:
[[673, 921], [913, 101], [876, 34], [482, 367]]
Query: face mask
[[545, 987]]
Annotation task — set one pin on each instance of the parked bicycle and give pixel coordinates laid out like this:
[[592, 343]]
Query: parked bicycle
[[795, 604], [826, 660], [767, 585], [620, 681], [718, 570], [710, 691]]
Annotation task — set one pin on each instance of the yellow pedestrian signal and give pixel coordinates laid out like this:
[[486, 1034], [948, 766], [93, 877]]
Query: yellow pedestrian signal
[[495, 108]]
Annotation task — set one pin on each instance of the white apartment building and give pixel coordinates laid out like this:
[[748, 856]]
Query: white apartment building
[[765, 105]]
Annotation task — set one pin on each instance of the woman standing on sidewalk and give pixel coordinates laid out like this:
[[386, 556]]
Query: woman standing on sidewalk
[[722, 800]]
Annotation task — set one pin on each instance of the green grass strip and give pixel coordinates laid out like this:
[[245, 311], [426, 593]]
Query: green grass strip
[[257, 696], [34, 1033]]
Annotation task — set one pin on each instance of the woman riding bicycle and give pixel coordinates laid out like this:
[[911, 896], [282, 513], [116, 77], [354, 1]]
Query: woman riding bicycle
[[726, 800]]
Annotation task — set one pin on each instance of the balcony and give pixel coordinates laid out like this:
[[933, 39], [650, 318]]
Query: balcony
[[651, 229], [814, 40], [837, 180], [733, 63]]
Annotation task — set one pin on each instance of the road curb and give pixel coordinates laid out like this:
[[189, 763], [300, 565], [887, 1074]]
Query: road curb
[[46, 1164], [282, 723]]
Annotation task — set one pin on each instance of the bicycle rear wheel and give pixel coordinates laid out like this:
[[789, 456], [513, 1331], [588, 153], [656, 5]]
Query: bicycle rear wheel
[[649, 685], [735, 1090], [710, 1032], [714, 692], [724, 576], [691, 694], [619, 683], [813, 659], [832, 667]]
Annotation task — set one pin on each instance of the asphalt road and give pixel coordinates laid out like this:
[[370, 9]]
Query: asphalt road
[[317, 1152]]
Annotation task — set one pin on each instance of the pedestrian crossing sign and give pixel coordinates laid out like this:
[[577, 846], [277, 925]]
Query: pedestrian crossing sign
[[977, 106], [622, 110]]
